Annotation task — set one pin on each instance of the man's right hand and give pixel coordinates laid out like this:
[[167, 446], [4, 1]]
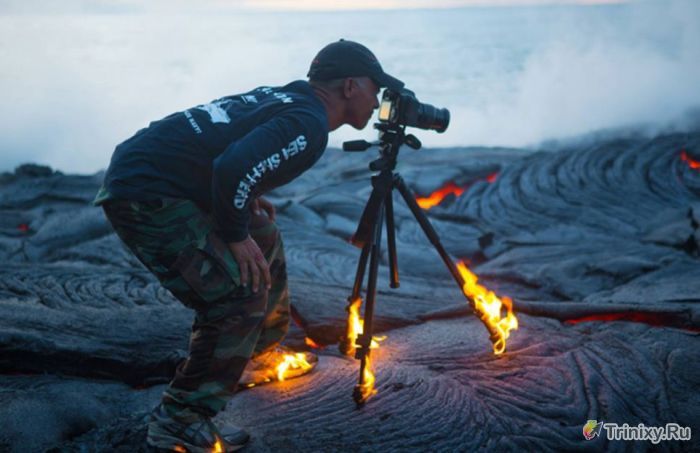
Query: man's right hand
[[251, 259]]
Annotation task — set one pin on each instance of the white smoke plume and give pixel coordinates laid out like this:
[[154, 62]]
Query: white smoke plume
[[77, 81]]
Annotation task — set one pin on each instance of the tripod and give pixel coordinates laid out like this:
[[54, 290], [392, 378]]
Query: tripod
[[379, 210]]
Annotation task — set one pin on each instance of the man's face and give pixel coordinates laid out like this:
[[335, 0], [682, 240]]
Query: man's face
[[362, 101]]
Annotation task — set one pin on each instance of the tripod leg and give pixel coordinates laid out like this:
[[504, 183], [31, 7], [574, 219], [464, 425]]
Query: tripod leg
[[365, 388], [360, 274], [391, 241], [435, 240], [427, 227], [347, 343]]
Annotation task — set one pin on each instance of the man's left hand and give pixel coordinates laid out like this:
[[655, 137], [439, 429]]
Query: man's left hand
[[261, 203]]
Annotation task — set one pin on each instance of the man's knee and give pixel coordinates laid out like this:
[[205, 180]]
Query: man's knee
[[236, 313]]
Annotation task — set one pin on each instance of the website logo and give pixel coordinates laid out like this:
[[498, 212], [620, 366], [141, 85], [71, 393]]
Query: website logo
[[592, 429], [653, 434]]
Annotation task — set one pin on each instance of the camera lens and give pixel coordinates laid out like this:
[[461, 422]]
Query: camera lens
[[433, 118]]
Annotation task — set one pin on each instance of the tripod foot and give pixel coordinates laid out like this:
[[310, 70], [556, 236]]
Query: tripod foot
[[358, 397]]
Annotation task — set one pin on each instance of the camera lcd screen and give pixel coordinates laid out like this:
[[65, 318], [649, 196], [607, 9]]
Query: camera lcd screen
[[385, 110]]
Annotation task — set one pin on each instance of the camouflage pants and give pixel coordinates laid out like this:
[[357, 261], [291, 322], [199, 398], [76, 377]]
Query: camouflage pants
[[177, 242]]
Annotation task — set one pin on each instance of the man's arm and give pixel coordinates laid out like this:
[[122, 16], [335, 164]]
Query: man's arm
[[271, 154], [248, 254]]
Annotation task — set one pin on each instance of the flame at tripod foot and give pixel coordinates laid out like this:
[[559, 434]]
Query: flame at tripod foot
[[366, 390], [355, 328], [489, 308]]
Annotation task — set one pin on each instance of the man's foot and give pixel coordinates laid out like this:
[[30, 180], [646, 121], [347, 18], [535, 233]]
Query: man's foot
[[278, 364], [198, 435]]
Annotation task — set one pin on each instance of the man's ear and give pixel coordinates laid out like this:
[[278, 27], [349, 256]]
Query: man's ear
[[349, 86]]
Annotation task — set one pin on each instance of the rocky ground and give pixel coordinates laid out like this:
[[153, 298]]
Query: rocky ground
[[596, 242]]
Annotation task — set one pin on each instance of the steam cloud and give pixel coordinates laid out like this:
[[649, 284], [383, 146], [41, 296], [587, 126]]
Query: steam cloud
[[583, 81], [76, 84]]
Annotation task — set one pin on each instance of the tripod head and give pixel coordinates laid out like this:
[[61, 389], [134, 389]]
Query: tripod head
[[391, 137]]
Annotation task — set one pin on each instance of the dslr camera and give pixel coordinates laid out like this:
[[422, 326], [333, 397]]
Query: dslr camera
[[403, 109]]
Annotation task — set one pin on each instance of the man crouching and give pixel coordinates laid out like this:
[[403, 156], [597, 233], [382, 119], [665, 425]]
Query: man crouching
[[184, 195]]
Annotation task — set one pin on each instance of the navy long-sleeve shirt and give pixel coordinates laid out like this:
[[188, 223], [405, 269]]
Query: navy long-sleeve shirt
[[223, 154]]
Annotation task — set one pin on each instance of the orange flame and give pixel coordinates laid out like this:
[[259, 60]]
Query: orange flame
[[354, 325], [218, 447], [692, 163], [489, 308], [356, 328], [291, 362], [436, 197], [367, 388]]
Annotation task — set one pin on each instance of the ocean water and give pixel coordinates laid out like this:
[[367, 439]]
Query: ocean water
[[75, 84]]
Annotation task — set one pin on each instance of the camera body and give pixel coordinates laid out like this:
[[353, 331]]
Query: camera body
[[403, 109]]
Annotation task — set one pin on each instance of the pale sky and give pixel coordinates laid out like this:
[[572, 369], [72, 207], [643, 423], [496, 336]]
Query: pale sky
[[135, 6], [405, 4], [92, 72]]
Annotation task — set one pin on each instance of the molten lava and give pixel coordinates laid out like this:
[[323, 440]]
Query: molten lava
[[436, 197], [692, 163], [489, 308], [312, 344], [450, 188], [652, 319]]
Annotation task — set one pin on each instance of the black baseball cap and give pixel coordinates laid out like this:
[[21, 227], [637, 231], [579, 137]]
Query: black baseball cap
[[350, 59]]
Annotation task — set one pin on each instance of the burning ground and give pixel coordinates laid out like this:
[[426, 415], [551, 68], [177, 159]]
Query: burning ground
[[597, 244]]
